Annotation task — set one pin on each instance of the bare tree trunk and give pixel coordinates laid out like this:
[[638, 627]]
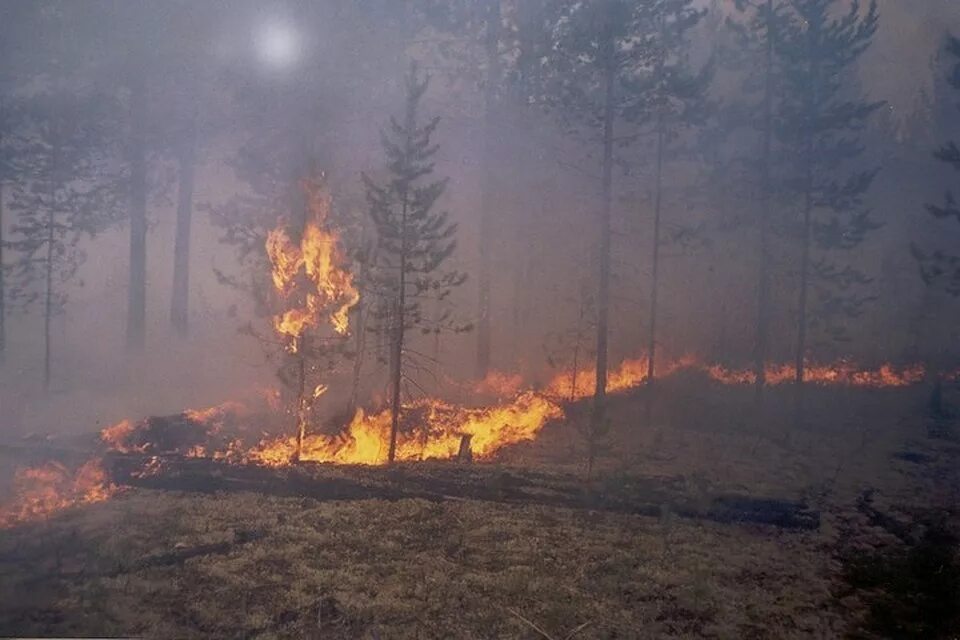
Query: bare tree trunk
[[800, 359], [598, 413], [801, 354], [180, 299], [137, 293], [3, 310], [581, 316], [301, 397], [763, 276], [48, 292], [486, 206], [360, 325], [396, 374], [655, 269]]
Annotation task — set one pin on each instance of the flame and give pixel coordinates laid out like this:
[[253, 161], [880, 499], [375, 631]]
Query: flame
[[43, 490], [435, 430], [632, 373], [500, 384], [116, 436], [215, 416], [318, 258]]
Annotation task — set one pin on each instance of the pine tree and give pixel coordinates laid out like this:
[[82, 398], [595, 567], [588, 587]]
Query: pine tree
[[670, 98], [757, 35], [820, 121], [414, 240], [599, 48], [937, 267], [66, 191]]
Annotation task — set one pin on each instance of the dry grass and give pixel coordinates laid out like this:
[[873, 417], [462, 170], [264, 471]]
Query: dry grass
[[162, 564], [407, 569]]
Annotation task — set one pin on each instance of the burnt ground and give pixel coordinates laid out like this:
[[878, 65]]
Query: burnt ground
[[880, 471]]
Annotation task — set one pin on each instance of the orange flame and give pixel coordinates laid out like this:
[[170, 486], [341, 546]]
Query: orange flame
[[43, 490], [632, 373], [435, 431], [318, 259]]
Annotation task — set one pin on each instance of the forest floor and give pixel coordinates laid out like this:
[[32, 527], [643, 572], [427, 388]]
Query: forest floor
[[883, 562]]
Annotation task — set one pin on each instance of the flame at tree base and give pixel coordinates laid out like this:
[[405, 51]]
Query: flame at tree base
[[431, 429]]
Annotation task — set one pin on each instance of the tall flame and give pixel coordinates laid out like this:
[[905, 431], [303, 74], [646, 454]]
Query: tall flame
[[318, 259]]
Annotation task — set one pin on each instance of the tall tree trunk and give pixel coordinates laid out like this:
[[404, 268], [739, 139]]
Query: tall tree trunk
[[800, 359], [48, 288], [655, 269], [302, 404], [3, 310], [763, 275], [598, 413], [180, 299], [487, 187], [137, 293], [359, 327], [398, 330]]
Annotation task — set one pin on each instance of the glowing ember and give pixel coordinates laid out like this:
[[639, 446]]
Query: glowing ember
[[43, 490]]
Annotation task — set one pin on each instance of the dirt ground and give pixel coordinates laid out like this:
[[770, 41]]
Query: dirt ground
[[241, 565]]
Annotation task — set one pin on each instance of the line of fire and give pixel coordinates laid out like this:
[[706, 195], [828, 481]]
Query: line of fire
[[479, 319]]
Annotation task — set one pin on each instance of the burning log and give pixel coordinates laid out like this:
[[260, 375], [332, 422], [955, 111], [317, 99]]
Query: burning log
[[438, 482]]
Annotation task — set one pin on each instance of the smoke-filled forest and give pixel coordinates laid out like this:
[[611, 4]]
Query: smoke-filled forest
[[554, 319]]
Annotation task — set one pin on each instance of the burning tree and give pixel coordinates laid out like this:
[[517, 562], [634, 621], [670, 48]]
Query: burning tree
[[312, 286], [414, 240]]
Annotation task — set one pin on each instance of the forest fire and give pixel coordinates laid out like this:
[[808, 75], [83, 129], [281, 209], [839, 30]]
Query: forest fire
[[316, 259], [43, 490], [432, 428], [633, 373]]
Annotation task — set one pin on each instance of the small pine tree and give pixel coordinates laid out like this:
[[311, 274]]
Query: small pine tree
[[414, 241]]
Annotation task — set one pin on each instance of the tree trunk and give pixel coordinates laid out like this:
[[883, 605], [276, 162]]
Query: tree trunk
[[137, 293], [655, 269], [397, 346], [486, 226], [3, 311], [808, 185], [800, 359], [763, 276], [48, 279], [598, 413], [180, 299], [359, 327], [302, 405]]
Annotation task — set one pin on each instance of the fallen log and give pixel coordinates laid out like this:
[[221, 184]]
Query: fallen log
[[438, 482]]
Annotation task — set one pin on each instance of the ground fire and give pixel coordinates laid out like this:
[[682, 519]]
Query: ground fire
[[426, 319]]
